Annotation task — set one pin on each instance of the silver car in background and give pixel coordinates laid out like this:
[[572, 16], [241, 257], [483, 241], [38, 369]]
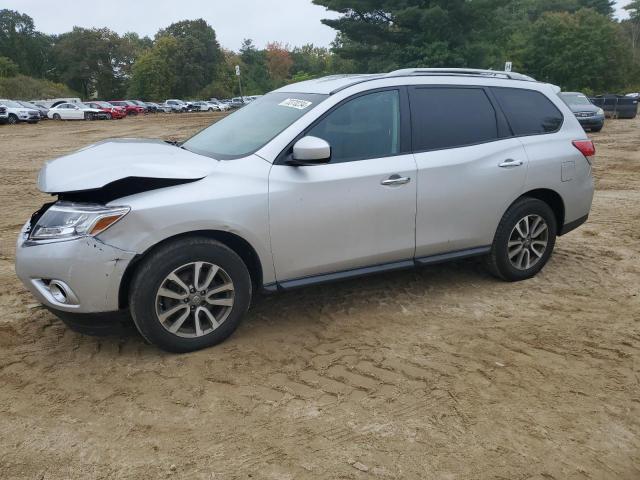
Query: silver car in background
[[318, 181]]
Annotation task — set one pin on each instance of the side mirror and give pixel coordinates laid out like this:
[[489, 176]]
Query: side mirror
[[310, 151]]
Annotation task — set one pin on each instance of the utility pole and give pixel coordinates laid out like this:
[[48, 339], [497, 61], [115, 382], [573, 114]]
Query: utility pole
[[239, 82]]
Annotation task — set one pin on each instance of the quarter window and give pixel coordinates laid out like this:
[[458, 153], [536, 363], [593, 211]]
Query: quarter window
[[448, 117], [365, 127], [529, 112]]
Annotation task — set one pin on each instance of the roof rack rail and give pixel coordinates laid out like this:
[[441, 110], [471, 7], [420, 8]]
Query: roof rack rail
[[409, 72]]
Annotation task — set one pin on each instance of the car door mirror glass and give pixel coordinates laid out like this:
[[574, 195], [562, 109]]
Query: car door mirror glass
[[310, 151]]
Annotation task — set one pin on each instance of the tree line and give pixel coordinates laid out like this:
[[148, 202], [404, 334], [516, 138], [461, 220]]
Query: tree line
[[577, 44]]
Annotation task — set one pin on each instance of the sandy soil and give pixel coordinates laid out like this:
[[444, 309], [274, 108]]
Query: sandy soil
[[442, 373]]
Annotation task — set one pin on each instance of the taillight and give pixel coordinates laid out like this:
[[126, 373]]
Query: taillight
[[586, 147]]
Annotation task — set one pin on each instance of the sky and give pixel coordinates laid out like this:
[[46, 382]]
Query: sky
[[293, 22]]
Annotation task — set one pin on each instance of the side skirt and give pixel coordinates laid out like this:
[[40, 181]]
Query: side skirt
[[374, 270]]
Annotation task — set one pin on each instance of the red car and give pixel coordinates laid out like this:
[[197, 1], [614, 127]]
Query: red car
[[109, 109], [130, 107]]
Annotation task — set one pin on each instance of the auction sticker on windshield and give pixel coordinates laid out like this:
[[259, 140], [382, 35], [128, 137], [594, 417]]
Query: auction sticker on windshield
[[295, 103]]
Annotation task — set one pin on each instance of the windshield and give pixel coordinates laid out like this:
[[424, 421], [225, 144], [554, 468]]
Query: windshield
[[575, 100], [252, 127], [28, 105], [103, 104]]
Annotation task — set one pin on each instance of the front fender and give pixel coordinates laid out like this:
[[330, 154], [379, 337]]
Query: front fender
[[234, 199]]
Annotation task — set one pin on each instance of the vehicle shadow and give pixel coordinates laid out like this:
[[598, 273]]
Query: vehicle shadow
[[353, 294]]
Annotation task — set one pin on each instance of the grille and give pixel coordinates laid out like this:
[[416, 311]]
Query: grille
[[585, 114]]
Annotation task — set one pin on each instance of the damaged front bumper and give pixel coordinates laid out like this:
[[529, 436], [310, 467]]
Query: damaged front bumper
[[76, 276]]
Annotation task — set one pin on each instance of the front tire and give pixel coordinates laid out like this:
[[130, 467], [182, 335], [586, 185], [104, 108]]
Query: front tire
[[524, 240], [190, 294], [56, 116], [12, 120]]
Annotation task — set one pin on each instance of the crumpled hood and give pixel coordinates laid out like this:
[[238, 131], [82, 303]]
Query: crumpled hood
[[105, 162]]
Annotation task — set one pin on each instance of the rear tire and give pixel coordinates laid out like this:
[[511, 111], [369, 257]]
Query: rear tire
[[201, 316], [524, 240]]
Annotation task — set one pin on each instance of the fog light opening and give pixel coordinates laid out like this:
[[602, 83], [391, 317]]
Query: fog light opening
[[58, 292]]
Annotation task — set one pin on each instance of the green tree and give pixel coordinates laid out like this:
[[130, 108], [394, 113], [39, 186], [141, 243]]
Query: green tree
[[29, 49], [556, 51], [154, 73], [381, 35], [7, 68], [94, 61], [632, 26], [198, 56], [255, 74], [604, 7]]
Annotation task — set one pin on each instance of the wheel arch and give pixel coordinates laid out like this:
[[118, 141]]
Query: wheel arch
[[235, 242], [551, 198]]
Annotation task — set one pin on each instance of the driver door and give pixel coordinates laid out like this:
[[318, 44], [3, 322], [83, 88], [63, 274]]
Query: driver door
[[358, 210]]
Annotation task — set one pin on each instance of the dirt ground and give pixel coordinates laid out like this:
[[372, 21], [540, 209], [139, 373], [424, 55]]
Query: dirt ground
[[442, 373]]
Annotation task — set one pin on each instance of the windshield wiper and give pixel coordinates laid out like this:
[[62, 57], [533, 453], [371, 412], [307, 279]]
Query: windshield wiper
[[175, 143]]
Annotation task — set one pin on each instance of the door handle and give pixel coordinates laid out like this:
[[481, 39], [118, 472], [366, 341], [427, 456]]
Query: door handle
[[395, 180], [509, 163]]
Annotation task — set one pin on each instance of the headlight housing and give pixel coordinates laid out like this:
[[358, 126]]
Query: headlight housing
[[600, 111], [67, 221]]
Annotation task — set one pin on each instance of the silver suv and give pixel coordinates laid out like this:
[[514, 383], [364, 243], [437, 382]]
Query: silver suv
[[319, 181]]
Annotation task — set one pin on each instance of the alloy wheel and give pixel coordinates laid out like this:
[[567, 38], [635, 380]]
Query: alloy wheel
[[195, 299], [528, 242]]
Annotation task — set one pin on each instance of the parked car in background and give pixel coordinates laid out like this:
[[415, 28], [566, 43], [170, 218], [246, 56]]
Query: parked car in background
[[218, 105], [130, 108], [155, 107], [590, 117], [141, 104], [203, 107], [177, 105], [110, 110], [17, 112], [617, 106], [4, 115], [238, 102], [373, 174], [76, 111], [40, 109], [151, 107], [48, 103]]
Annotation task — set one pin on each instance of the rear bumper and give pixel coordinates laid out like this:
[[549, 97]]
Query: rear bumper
[[90, 269]]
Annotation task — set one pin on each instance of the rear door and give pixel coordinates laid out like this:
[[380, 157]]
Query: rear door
[[470, 168], [356, 211]]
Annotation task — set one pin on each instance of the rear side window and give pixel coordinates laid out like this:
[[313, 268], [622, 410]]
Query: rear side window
[[445, 117], [529, 112]]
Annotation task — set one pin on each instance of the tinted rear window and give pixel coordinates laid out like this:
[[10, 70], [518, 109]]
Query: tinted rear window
[[451, 117], [529, 112]]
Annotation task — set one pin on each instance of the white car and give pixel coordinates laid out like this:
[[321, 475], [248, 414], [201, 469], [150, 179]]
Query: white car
[[219, 106], [203, 107], [4, 114], [75, 111], [177, 105], [19, 113]]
